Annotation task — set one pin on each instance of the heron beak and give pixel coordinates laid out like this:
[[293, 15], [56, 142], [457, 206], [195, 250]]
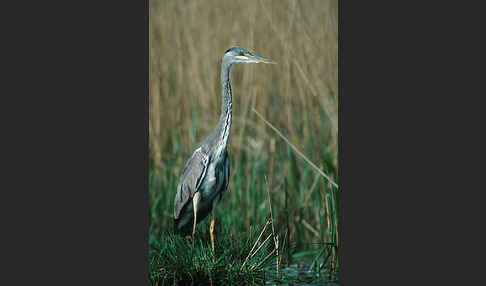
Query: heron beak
[[259, 59]]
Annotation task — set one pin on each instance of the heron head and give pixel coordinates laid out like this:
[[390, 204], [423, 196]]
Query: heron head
[[239, 55]]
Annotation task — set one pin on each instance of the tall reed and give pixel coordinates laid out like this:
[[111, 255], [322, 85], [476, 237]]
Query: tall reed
[[299, 96]]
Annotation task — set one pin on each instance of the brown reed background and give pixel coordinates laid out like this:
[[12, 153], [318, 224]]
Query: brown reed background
[[299, 96]]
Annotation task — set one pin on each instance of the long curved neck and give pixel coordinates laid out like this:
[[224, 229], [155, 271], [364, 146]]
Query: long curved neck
[[224, 124]]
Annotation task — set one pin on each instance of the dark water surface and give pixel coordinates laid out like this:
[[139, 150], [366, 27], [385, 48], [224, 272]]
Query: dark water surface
[[300, 273]]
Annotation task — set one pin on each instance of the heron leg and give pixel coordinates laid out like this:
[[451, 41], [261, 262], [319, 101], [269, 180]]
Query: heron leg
[[195, 202], [211, 229]]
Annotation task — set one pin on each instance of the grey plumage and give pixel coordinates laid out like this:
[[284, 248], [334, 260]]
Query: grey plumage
[[207, 171]]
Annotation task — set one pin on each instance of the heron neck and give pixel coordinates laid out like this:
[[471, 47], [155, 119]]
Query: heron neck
[[226, 104]]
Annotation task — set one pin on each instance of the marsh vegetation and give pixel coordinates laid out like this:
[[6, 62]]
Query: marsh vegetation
[[298, 96]]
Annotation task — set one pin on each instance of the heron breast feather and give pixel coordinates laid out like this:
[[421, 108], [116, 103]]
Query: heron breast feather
[[212, 184]]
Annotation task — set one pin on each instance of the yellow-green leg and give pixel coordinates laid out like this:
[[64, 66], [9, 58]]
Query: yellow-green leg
[[211, 229], [195, 202]]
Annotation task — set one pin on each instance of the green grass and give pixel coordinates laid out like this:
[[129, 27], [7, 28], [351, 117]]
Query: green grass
[[304, 208], [179, 261]]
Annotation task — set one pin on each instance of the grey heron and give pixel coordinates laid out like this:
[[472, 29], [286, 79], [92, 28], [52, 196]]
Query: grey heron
[[206, 174]]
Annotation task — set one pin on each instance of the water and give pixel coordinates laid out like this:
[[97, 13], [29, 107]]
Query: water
[[300, 274]]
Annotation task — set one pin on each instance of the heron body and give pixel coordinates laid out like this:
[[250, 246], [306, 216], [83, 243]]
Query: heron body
[[205, 176]]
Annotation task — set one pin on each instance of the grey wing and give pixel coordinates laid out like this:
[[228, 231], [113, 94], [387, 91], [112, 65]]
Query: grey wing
[[191, 178]]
